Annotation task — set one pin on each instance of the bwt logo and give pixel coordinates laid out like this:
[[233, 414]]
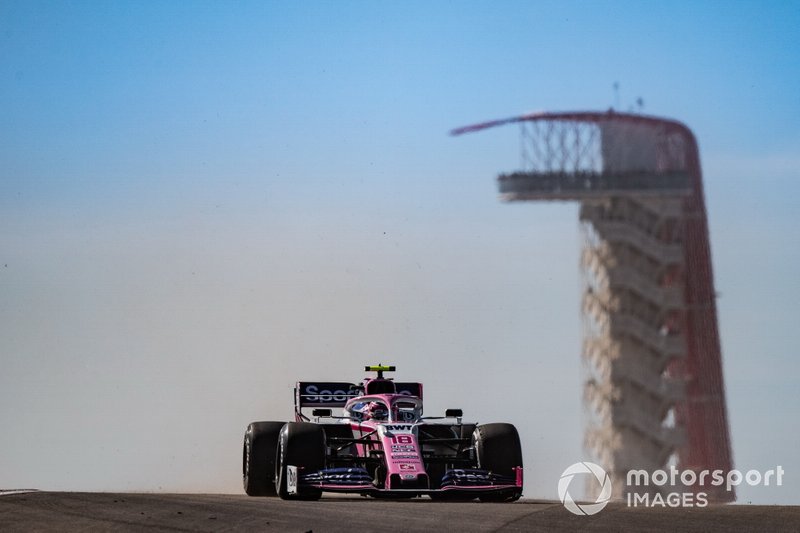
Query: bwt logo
[[586, 508]]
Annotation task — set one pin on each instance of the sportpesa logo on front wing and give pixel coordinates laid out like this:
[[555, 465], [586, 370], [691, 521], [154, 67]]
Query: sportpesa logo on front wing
[[586, 508]]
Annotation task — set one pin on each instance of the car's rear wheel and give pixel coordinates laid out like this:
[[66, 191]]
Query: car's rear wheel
[[498, 450], [258, 458], [301, 445]]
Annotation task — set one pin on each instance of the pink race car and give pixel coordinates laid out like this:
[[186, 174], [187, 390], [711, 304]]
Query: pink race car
[[379, 444]]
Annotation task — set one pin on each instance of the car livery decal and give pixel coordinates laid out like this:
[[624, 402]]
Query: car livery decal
[[404, 459], [399, 428]]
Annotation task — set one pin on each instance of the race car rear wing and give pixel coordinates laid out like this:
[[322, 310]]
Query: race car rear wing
[[336, 394]]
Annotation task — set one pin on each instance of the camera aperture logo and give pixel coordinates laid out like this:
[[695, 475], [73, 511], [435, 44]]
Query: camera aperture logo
[[586, 508]]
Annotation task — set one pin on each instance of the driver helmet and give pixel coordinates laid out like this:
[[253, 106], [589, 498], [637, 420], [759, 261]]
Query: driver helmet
[[377, 411]]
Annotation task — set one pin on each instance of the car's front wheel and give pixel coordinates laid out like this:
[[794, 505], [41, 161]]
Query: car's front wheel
[[498, 450], [301, 449]]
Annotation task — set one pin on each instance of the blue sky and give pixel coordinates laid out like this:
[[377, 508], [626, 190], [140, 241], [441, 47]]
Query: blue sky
[[201, 203]]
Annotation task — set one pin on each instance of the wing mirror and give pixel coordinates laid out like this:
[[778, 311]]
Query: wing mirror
[[321, 412], [455, 413]]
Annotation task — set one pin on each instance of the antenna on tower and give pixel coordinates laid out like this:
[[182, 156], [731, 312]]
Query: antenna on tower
[[616, 95]]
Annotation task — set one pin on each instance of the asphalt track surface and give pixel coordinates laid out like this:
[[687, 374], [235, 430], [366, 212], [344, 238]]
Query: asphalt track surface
[[68, 511]]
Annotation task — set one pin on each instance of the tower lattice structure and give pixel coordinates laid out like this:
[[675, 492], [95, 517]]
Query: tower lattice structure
[[654, 390]]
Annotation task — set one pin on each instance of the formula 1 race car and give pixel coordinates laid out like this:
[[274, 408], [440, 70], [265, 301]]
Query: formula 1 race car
[[379, 444]]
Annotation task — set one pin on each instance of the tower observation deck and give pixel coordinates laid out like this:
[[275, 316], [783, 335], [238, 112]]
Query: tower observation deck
[[654, 390]]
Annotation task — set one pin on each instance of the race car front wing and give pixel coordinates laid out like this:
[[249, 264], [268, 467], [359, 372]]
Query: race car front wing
[[358, 480]]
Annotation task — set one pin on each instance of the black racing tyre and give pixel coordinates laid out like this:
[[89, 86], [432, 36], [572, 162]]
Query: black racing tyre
[[258, 458], [302, 445], [497, 449]]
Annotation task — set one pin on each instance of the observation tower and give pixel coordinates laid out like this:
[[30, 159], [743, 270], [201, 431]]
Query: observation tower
[[654, 390]]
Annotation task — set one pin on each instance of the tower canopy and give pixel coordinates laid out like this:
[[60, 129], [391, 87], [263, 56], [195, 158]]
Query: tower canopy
[[583, 155]]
